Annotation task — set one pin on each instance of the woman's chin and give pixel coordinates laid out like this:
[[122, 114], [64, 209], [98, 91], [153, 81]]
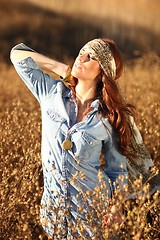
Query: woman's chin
[[75, 74]]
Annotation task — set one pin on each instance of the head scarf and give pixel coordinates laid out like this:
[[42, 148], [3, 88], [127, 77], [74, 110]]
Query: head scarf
[[102, 53]]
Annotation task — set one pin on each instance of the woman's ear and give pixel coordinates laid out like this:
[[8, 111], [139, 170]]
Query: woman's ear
[[99, 77]]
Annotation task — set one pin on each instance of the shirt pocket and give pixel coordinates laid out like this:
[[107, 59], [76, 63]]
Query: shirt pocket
[[85, 146], [54, 122]]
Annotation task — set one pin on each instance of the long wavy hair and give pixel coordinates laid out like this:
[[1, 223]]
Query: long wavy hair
[[112, 104]]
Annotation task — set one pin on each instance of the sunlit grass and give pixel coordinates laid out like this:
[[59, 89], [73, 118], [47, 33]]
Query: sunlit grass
[[20, 166]]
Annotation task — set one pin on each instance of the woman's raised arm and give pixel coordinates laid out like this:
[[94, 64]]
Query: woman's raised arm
[[21, 51]]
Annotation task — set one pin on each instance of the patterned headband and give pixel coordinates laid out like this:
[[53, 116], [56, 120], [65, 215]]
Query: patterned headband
[[102, 53]]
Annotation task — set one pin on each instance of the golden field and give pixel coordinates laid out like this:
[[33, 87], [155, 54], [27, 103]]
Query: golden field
[[58, 29]]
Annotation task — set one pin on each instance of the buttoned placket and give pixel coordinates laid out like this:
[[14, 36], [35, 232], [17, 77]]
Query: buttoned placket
[[65, 180], [72, 128]]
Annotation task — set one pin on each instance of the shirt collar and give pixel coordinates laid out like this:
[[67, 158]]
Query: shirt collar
[[95, 104], [66, 92]]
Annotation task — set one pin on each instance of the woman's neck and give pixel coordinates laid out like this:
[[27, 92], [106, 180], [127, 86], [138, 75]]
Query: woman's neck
[[85, 92]]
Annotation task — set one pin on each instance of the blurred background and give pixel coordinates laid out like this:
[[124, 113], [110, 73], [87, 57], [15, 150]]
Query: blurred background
[[60, 27]]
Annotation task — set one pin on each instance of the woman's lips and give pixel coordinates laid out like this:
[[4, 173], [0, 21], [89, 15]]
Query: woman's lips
[[77, 65]]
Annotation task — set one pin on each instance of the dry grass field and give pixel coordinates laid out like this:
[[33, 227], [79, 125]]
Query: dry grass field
[[48, 30]]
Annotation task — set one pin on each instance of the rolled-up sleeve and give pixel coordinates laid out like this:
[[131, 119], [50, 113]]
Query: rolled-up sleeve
[[38, 82]]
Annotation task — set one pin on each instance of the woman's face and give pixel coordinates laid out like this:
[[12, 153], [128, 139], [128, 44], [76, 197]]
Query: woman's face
[[85, 67]]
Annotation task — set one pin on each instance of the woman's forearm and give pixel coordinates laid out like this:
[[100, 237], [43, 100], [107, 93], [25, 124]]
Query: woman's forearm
[[45, 63]]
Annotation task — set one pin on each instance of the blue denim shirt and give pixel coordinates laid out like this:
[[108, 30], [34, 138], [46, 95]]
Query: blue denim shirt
[[59, 114]]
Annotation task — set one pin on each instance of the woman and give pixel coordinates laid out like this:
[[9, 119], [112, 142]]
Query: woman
[[88, 133]]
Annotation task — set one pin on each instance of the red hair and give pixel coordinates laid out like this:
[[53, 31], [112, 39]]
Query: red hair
[[112, 104]]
